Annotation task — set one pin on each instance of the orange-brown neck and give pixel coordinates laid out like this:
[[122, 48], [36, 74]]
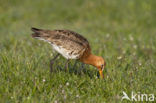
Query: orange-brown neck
[[89, 59]]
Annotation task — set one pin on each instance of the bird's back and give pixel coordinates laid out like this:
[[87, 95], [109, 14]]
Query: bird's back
[[68, 43]]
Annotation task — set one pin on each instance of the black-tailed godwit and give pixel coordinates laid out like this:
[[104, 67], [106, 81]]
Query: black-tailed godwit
[[70, 45]]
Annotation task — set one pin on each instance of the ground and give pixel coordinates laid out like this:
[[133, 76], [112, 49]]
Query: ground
[[121, 31]]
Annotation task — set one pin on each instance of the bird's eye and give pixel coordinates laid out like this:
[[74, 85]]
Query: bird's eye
[[102, 65]]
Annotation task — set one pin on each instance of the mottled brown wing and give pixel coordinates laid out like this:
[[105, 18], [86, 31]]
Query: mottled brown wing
[[69, 40], [73, 42]]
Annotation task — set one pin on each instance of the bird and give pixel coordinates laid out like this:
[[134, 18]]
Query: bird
[[71, 45]]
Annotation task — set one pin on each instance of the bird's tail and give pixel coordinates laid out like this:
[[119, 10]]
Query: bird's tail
[[37, 32]]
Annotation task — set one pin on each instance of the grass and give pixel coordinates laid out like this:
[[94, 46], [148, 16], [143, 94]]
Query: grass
[[123, 32]]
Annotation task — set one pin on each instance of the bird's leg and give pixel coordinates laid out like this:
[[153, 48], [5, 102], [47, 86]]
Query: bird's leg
[[66, 64], [75, 64], [52, 62], [82, 65]]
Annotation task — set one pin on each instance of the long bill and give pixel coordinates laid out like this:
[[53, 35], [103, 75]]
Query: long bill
[[101, 74]]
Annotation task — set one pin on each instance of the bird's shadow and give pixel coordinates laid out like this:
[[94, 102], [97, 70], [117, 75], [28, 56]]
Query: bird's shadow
[[79, 69]]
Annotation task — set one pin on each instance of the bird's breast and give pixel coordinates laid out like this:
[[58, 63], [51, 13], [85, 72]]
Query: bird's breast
[[68, 54]]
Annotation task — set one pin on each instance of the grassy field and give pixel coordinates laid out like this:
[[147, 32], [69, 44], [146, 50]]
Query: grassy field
[[122, 31]]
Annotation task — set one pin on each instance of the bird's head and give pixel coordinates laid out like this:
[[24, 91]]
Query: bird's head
[[100, 63], [96, 61]]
